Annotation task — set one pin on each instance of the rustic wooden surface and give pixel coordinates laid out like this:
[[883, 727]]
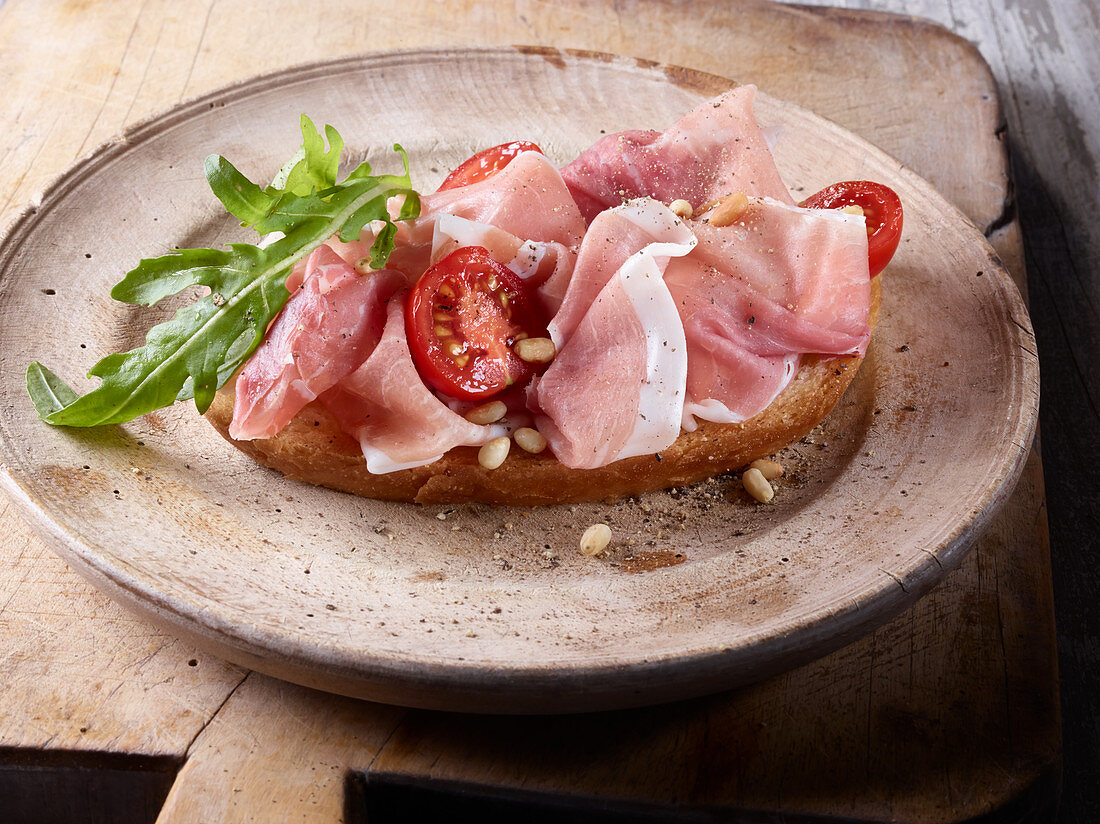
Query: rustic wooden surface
[[889, 727], [1044, 57]]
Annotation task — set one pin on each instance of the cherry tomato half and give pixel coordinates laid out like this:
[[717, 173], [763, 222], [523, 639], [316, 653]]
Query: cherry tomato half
[[487, 163], [462, 318], [881, 207]]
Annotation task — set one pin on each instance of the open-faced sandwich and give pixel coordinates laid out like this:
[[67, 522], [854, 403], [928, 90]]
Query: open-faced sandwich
[[657, 311]]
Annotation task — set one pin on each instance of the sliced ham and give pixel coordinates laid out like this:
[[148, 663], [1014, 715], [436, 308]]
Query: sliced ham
[[657, 323], [397, 420], [616, 387], [613, 237], [714, 150], [410, 259], [527, 201], [328, 327], [755, 296], [527, 198]]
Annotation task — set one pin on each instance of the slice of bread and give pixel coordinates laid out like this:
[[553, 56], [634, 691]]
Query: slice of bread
[[313, 448]]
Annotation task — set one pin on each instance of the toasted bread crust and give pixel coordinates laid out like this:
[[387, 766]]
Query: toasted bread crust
[[313, 448]]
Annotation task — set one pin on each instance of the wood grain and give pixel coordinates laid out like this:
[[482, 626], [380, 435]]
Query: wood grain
[[91, 671], [76, 73], [1043, 57], [288, 751]]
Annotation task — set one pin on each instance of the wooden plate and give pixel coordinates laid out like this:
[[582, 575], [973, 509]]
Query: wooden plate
[[477, 608]]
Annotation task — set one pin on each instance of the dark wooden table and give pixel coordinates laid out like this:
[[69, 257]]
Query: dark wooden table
[[1043, 55]]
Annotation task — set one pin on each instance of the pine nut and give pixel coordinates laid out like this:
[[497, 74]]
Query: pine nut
[[487, 413], [682, 209], [595, 539], [363, 267], [493, 453], [529, 440], [535, 350], [769, 469], [853, 209], [755, 485], [729, 209]]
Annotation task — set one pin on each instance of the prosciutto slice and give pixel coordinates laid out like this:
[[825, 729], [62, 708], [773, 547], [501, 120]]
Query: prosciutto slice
[[755, 296], [527, 198], [616, 387], [613, 237], [328, 327], [712, 151], [397, 420], [526, 201]]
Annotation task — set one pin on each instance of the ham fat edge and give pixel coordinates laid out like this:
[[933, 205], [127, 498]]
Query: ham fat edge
[[659, 323]]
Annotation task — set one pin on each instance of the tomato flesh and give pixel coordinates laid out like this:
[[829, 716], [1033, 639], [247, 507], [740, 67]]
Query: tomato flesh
[[462, 318], [487, 163], [881, 209]]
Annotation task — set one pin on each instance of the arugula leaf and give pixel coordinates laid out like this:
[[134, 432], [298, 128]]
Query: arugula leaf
[[311, 169], [241, 197], [196, 352], [48, 391], [318, 169]]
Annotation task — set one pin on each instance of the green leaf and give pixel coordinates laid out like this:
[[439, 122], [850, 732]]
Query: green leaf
[[196, 352], [280, 179], [318, 168], [156, 278], [48, 392], [241, 197], [313, 168], [382, 246], [411, 207], [194, 345]]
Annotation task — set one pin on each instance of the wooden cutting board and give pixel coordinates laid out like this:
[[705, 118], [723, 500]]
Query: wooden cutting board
[[948, 712]]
